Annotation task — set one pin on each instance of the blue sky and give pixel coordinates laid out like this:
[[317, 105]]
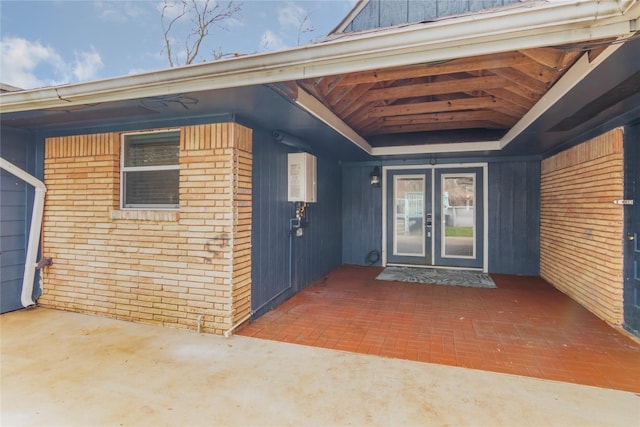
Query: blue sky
[[45, 43]]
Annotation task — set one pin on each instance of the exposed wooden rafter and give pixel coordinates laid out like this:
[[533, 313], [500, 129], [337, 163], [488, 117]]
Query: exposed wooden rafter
[[483, 92]]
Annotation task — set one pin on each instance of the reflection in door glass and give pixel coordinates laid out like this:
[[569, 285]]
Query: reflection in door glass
[[408, 218], [458, 208]]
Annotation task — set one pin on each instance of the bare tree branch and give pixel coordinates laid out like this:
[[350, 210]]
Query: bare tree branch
[[303, 25], [205, 13], [166, 28]]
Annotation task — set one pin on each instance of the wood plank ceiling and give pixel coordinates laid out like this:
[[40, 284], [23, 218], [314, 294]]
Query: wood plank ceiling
[[485, 92]]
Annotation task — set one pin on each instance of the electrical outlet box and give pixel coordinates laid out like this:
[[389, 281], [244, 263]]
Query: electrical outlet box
[[302, 177]]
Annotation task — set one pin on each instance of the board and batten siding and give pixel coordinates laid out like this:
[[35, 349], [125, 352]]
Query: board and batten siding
[[19, 148], [386, 13], [514, 217], [361, 215], [581, 229], [316, 252]]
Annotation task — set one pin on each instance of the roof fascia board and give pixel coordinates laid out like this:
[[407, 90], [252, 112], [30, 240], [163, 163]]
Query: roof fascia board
[[551, 23], [324, 114], [457, 147]]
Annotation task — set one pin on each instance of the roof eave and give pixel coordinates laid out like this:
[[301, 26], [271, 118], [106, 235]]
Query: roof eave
[[549, 24]]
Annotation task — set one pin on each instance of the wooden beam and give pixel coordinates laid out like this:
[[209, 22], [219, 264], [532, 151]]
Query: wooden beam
[[539, 72], [454, 66], [434, 107], [522, 79], [363, 123], [509, 109], [504, 94], [313, 91], [327, 84], [336, 95], [458, 116], [523, 92], [547, 56], [569, 59], [436, 88], [352, 98]]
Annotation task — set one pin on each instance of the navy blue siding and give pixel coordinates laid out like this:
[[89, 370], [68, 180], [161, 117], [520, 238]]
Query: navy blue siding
[[269, 223], [314, 254], [361, 215], [514, 215], [19, 148], [385, 13], [514, 218], [631, 288]]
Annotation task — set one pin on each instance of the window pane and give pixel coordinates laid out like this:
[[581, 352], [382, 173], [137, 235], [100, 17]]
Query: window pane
[[408, 216], [158, 149], [152, 188], [458, 205]]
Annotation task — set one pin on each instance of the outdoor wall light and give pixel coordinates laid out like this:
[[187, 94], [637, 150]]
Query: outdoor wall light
[[375, 176]]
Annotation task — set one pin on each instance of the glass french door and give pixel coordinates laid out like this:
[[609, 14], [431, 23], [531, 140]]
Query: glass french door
[[459, 215], [409, 217], [435, 217]]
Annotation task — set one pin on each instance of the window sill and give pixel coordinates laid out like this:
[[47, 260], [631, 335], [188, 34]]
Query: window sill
[[146, 215]]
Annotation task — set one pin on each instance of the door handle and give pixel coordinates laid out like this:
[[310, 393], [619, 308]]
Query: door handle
[[631, 237]]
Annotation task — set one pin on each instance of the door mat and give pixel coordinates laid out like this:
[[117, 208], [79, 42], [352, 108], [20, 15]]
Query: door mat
[[434, 276]]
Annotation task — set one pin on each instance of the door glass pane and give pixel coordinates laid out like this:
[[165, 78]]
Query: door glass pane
[[408, 218], [458, 208]]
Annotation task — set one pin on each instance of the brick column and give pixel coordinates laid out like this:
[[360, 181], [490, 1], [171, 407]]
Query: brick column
[[215, 205]]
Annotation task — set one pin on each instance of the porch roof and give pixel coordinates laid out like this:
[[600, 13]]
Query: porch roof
[[515, 81]]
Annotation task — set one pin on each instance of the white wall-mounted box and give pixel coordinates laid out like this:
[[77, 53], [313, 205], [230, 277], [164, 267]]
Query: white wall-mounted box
[[302, 177]]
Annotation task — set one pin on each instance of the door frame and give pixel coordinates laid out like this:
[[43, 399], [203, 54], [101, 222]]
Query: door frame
[[427, 257], [432, 168]]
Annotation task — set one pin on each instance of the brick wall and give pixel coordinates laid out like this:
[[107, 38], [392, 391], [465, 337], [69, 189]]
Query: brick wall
[[162, 267], [581, 229]]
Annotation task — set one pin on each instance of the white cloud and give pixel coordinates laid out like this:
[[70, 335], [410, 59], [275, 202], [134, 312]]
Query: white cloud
[[20, 60], [295, 20], [120, 11], [271, 41], [292, 15], [87, 65], [31, 64]]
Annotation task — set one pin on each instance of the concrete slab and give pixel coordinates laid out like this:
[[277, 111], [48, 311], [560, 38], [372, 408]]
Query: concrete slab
[[62, 368]]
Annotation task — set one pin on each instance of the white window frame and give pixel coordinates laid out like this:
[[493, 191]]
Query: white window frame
[[124, 169]]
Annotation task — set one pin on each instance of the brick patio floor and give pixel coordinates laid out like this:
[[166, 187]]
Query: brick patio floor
[[524, 327]]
